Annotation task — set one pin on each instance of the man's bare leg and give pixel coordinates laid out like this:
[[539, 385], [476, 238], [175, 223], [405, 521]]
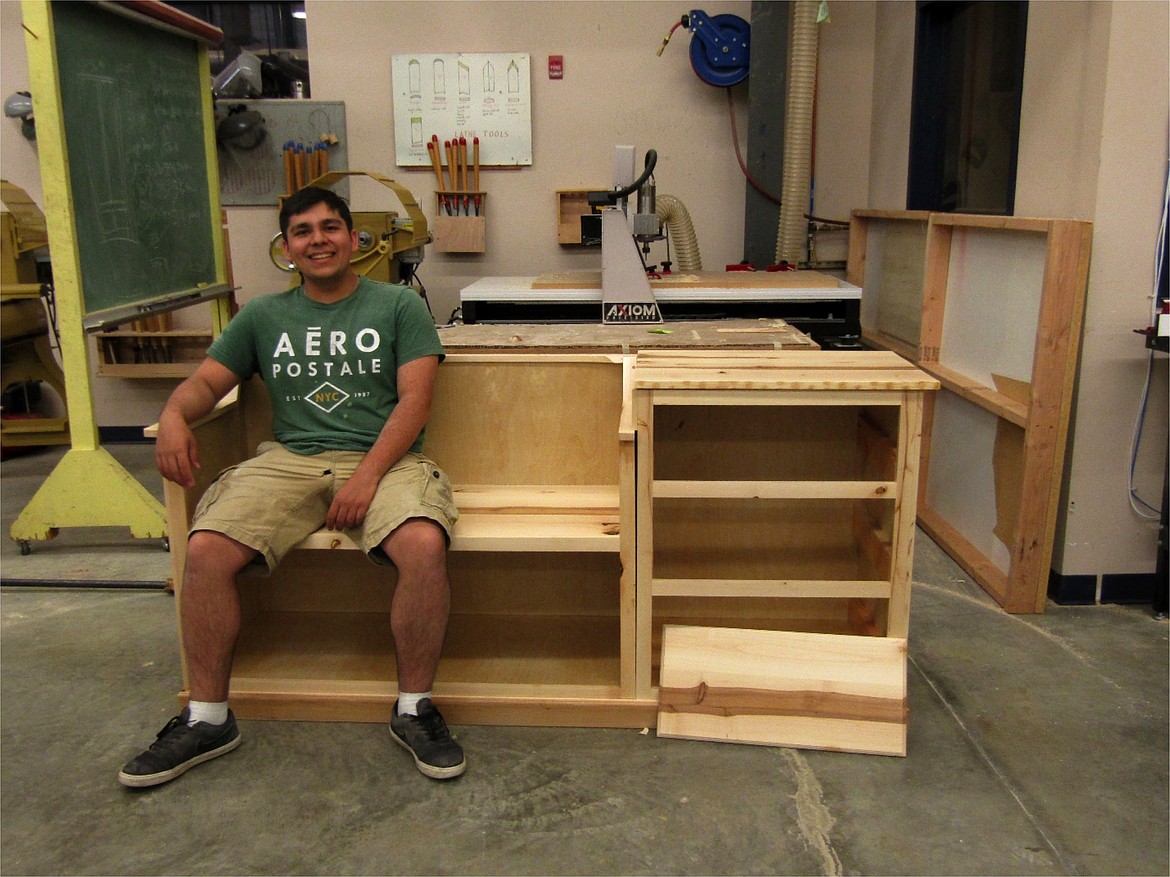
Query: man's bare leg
[[422, 601], [209, 613], [418, 619]]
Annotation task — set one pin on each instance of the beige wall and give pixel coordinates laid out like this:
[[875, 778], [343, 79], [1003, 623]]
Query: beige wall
[[845, 55], [1093, 146], [1060, 133], [615, 90], [1120, 152], [893, 72], [18, 157]]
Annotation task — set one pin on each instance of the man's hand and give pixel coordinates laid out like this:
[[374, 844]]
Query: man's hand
[[176, 453], [351, 503], [416, 383]]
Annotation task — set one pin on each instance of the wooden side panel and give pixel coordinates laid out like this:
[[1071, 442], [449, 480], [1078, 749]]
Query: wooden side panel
[[644, 424], [902, 538], [779, 688]]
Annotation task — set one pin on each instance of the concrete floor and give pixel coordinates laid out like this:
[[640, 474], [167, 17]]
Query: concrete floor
[[1037, 745]]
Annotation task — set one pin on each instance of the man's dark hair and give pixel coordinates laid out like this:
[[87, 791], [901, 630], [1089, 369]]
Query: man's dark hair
[[309, 197]]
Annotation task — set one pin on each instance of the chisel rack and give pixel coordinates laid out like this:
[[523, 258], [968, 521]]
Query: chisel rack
[[460, 224]]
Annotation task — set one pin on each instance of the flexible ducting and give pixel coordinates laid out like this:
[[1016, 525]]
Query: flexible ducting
[[798, 121], [674, 215]]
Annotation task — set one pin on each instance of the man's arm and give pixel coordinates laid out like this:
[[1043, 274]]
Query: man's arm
[[416, 386], [175, 451]]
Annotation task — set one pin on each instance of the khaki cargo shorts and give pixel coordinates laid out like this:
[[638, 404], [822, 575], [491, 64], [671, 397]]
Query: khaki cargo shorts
[[277, 498]]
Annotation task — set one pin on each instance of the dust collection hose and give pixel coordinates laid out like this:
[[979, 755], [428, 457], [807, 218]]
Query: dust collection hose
[[792, 229], [674, 215]]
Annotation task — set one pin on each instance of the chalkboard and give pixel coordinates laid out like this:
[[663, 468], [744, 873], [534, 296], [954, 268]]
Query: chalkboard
[[132, 100]]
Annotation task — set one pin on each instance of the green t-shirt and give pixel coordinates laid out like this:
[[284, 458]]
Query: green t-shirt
[[330, 369]]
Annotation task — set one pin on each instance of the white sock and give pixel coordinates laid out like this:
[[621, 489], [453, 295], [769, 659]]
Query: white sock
[[408, 702], [211, 713]]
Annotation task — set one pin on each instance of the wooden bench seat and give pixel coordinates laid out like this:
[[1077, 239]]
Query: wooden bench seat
[[522, 518]]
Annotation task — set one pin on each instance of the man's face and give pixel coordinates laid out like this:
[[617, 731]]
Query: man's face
[[319, 244]]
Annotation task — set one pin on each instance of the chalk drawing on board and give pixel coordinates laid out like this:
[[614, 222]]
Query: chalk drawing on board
[[104, 168], [133, 135]]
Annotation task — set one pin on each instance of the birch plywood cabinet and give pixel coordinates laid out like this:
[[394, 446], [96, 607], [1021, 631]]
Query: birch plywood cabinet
[[765, 489], [775, 492]]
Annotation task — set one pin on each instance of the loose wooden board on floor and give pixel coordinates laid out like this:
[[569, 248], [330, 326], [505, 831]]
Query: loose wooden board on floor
[[782, 688]]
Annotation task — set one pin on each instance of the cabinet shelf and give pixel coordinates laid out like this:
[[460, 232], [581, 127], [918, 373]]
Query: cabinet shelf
[[692, 489], [540, 652], [173, 353], [764, 588], [340, 665]]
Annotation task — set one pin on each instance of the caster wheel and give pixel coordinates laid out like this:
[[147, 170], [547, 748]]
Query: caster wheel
[[25, 548], [166, 544]]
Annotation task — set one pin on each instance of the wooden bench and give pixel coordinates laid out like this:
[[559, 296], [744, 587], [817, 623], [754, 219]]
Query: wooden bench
[[540, 453]]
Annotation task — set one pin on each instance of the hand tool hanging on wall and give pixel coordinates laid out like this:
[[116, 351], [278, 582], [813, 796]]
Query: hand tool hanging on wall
[[437, 163], [475, 174]]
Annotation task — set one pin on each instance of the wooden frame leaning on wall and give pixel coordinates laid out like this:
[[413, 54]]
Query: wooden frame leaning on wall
[[993, 308]]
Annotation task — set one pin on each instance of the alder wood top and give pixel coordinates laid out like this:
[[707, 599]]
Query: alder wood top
[[778, 370]]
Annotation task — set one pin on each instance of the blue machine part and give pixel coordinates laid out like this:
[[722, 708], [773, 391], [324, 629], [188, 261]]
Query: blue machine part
[[719, 47]]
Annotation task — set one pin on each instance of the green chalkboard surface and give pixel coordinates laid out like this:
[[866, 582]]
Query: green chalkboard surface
[[132, 99]]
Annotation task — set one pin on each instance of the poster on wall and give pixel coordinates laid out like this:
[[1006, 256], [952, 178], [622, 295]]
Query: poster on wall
[[449, 96]]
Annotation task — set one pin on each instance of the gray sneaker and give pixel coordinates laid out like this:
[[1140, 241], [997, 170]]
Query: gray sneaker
[[178, 749], [426, 737]]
